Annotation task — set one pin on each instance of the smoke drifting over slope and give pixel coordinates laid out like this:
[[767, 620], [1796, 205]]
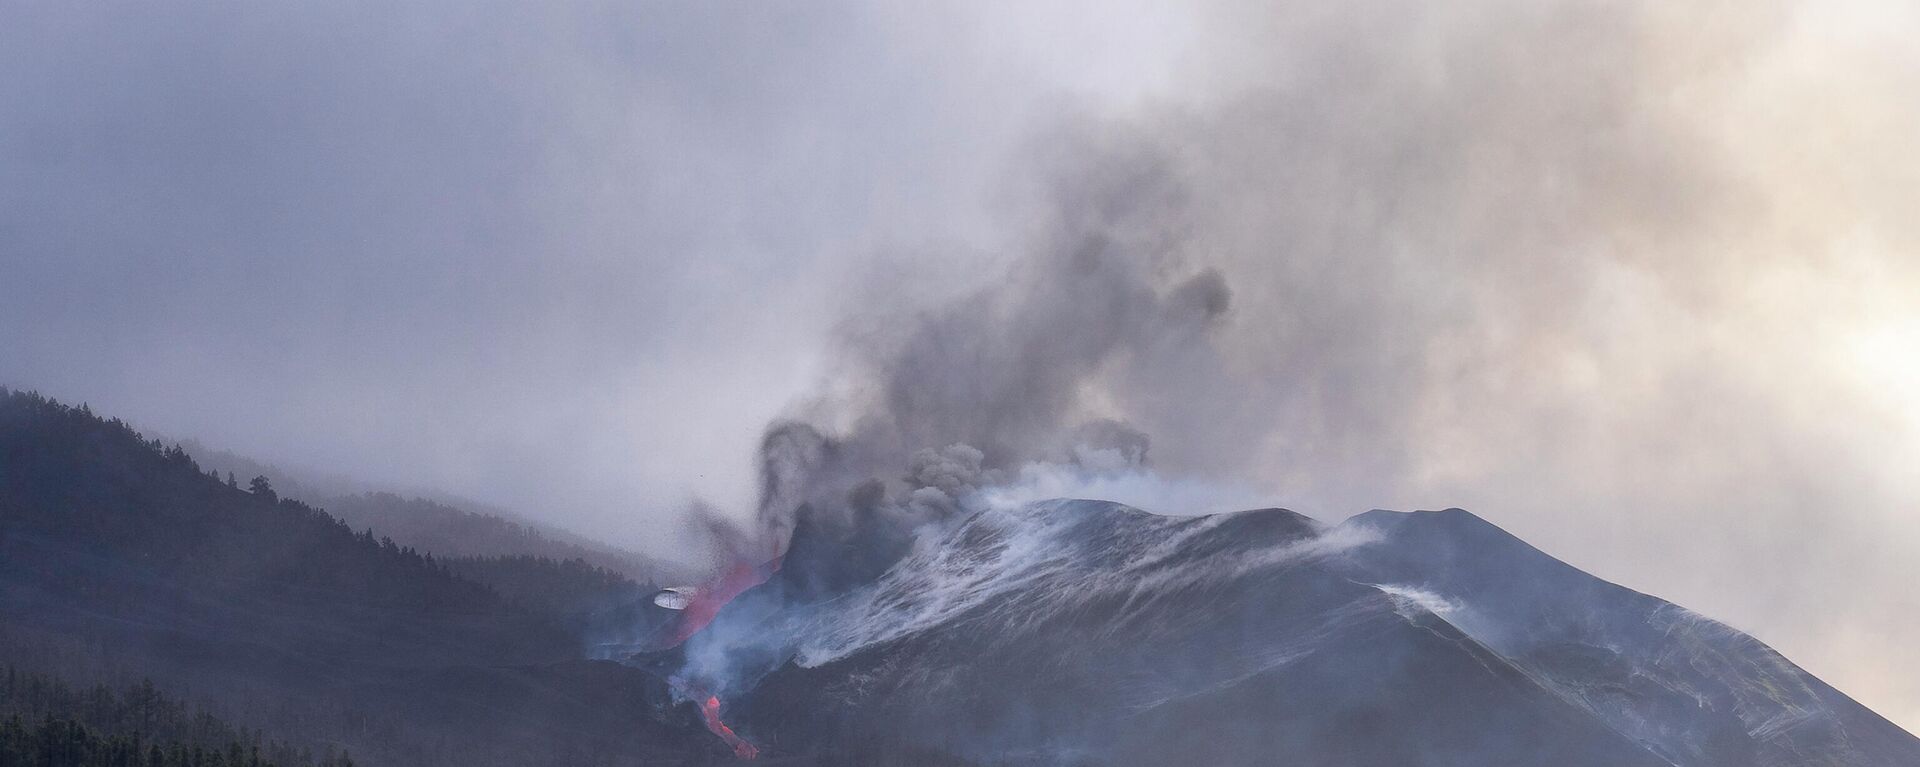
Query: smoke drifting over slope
[[1637, 281], [1575, 264]]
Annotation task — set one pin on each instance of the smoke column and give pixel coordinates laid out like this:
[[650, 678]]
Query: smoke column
[[1567, 264]]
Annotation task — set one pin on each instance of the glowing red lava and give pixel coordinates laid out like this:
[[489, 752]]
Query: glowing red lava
[[710, 710], [713, 596], [701, 611]]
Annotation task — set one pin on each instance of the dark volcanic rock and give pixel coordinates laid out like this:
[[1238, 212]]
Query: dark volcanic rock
[[1079, 632]]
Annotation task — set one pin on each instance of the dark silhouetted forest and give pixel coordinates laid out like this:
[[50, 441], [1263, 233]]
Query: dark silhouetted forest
[[45, 722], [122, 558], [589, 600], [443, 525]]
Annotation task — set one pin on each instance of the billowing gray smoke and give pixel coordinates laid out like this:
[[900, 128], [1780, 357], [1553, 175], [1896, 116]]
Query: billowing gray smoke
[[952, 399], [1638, 280], [1569, 264], [950, 402]]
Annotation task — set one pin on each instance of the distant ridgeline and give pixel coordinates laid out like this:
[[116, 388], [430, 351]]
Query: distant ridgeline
[[45, 722], [447, 527], [121, 558]]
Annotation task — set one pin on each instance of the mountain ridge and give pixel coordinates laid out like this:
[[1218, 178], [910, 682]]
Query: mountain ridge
[[1059, 632], [114, 546], [443, 524], [1112, 632]]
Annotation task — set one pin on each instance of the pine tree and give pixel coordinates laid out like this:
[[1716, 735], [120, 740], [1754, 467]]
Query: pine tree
[[261, 487]]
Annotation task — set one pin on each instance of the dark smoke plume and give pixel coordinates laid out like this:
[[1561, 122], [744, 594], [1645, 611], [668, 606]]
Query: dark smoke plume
[[1566, 263], [958, 397]]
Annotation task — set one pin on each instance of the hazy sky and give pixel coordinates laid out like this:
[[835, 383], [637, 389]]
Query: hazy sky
[[1639, 282]]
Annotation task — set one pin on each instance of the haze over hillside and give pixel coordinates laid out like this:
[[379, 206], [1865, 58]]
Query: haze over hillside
[[121, 559], [583, 297], [431, 522], [1066, 631]]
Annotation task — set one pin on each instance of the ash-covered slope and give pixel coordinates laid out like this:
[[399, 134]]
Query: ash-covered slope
[[1082, 632], [1692, 690]]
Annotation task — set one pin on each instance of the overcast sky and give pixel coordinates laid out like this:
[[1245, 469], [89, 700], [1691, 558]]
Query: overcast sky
[[1638, 282]]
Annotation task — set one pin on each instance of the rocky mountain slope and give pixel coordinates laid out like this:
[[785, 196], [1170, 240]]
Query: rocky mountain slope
[[1084, 632]]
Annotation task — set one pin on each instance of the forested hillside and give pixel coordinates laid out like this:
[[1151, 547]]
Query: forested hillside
[[117, 551], [46, 722], [443, 526], [591, 601]]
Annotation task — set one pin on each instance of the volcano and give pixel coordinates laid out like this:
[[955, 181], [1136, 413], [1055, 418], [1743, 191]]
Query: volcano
[[1091, 633]]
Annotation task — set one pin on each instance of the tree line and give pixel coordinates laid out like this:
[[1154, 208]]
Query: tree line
[[45, 722]]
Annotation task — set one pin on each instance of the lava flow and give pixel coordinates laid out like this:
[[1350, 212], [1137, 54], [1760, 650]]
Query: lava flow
[[708, 600], [710, 711], [700, 611], [710, 715]]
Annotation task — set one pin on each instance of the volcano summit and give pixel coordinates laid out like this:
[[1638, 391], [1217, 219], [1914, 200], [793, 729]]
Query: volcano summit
[[1086, 632]]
